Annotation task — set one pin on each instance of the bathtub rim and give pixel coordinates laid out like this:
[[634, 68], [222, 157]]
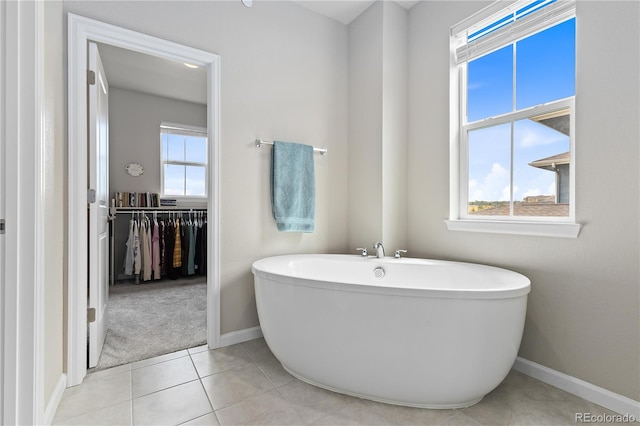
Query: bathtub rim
[[481, 294]]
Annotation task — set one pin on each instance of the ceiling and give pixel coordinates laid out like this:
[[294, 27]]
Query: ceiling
[[129, 70], [345, 11], [126, 69]]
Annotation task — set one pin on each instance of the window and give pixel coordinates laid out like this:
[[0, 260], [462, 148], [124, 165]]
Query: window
[[183, 157], [514, 86]]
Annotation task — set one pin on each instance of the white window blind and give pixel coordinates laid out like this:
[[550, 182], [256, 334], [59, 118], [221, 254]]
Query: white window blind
[[182, 129], [489, 30]]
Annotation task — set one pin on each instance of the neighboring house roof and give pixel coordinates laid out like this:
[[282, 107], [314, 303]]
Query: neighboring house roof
[[557, 120], [550, 163], [526, 209]]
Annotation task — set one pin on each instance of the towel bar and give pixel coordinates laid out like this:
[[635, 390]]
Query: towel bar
[[260, 142]]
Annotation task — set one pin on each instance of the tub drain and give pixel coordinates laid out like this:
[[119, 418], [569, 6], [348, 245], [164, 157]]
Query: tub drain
[[378, 272]]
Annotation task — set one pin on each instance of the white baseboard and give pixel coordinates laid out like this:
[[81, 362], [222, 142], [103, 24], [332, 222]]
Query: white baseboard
[[240, 336], [56, 397], [592, 393]]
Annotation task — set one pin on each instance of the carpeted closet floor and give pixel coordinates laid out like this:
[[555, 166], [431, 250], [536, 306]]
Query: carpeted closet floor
[[152, 319]]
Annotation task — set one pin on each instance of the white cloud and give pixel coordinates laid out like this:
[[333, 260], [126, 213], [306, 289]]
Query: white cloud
[[488, 189], [476, 194], [498, 173], [552, 189], [506, 192]]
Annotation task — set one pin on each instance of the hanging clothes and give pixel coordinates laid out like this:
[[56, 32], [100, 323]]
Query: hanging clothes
[[198, 252], [128, 258], [146, 249], [203, 247], [191, 267], [158, 247], [177, 248], [169, 246], [162, 248], [185, 247], [137, 260], [155, 250]]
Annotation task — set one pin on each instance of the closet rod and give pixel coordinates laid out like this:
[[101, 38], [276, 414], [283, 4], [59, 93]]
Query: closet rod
[[142, 210]]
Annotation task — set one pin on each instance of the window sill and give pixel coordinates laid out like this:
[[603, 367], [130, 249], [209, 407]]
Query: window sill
[[543, 229]]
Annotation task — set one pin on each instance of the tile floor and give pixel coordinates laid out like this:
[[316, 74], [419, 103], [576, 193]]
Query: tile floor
[[245, 385]]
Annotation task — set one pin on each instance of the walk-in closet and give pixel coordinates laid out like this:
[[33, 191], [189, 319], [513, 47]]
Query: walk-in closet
[[157, 213]]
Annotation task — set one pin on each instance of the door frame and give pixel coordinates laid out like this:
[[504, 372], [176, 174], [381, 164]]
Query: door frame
[[81, 30], [24, 143]]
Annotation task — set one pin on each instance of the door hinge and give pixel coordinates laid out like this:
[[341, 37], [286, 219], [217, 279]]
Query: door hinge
[[1, 226], [91, 196], [91, 315], [91, 77]]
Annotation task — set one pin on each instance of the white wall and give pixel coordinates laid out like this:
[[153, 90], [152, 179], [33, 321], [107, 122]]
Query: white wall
[[365, 128], [583, 317], [395, 126], [378, 127], [134, 135], [284, 77]]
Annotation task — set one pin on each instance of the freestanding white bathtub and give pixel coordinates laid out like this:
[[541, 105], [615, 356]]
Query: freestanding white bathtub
[[432, 334]]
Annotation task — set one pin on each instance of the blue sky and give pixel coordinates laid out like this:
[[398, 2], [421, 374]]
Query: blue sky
[[545, 71]]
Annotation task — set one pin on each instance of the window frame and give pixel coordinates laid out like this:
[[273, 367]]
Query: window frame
[[511, 118], [184, 130], [459, 218]]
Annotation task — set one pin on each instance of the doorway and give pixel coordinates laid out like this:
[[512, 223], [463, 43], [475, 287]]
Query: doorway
[[157, 167], [81, 32]]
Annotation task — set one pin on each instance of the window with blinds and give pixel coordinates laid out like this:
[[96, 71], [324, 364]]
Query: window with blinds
[[183, 160], [515, 91]]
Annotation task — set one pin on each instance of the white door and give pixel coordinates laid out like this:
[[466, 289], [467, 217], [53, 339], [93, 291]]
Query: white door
[[98, 210]]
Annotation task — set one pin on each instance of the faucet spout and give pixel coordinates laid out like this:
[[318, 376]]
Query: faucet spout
[[379, 248]]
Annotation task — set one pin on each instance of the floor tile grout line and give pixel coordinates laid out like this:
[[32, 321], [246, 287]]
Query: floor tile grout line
[[164, 389], [159, 362], [266, 375], [132, 421], [213, 411], [245, 398], [254, 363], [168, 387], [196, 418], [201, 384]]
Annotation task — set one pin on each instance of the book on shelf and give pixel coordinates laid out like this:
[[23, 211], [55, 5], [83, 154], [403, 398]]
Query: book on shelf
[[137, 199]]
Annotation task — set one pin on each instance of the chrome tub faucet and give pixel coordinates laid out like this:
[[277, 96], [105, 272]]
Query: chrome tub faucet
[[379, 248]]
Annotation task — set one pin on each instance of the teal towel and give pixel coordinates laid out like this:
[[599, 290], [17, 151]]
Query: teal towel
[[293, 187]]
